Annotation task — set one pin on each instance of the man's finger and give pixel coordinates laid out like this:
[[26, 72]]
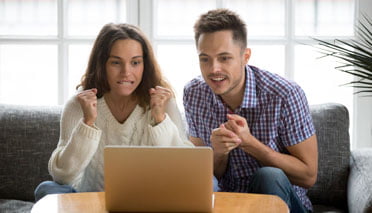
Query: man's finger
[[223, 131], [237, 118], [233, 117], [233, 126], [226, 139]]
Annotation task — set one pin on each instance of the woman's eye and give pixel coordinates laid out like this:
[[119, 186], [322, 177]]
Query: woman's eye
[[115, 62], [136, 63]]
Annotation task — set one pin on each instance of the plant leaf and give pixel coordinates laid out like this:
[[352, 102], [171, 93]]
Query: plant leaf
[[355, 55]]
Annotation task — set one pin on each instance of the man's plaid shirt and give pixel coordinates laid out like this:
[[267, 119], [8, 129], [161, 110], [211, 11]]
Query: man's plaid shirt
[[277, 114]]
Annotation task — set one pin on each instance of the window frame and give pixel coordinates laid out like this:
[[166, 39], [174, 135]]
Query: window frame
[[62, 40], [141, 12], [289, 40]]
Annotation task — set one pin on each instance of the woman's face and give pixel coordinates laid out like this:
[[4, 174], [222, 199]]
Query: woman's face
[[124, 67]]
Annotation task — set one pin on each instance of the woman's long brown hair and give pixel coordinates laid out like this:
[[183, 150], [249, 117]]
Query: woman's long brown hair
[[96, 76]]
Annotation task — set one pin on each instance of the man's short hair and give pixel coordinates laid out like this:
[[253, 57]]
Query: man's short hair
[[222, 19]]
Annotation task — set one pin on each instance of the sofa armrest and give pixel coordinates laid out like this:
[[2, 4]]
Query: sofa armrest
[[28, 136], [360, 181]]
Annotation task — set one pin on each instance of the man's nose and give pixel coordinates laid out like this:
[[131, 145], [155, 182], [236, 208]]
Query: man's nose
[[216, 66]]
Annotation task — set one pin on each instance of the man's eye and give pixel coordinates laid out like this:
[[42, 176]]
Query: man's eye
[[203, 59], [225, 58]]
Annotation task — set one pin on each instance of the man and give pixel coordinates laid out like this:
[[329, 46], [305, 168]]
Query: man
[[257, 123]]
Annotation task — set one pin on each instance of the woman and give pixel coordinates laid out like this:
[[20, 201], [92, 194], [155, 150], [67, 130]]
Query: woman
[[125, 101]]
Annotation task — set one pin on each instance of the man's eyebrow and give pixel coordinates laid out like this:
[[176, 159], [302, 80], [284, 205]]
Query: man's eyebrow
[[202, 54], [224, 53], [219, 54]]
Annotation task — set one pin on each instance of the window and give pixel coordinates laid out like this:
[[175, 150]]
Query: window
[[27, 71], [279, 35], [45, 44], [278, 43]]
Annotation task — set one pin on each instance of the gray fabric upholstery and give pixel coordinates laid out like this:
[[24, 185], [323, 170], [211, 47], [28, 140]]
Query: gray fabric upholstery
[[327, 209], [332, 128], [12, 206], [360, 181], [28, 135]]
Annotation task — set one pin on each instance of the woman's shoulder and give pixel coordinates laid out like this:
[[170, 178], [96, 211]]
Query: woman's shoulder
[[71, 102], [72, 106]]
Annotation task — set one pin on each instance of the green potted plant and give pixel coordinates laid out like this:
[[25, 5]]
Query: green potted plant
[[355, 55]]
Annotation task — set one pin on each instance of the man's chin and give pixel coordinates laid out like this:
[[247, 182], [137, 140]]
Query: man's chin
[[219, 91]]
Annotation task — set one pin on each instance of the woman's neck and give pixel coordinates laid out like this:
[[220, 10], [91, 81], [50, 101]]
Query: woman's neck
[[119, 101], [120, 106]]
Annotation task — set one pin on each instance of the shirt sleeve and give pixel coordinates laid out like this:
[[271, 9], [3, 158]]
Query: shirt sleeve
[[189, 112], [77, 144], [297, 124]]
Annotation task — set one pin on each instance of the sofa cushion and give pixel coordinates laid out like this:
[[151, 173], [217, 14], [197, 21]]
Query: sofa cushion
[[28, 135], [360, 179], [332, 128], [11, 206], [326, 209]]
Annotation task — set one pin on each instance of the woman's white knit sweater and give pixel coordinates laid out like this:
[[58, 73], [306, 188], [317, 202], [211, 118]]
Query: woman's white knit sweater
[[78, 158]]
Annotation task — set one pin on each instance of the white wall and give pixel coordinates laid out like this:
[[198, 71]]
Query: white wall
[[363, 105]]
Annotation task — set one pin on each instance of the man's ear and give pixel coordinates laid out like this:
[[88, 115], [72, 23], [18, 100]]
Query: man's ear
[[247, 55]]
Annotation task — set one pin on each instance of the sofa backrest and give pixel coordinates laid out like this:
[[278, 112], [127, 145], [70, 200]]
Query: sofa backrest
[[332, 128], [28, 135]]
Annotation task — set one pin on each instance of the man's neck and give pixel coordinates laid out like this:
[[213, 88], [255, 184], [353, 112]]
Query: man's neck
[[234, 98], [233, 101]]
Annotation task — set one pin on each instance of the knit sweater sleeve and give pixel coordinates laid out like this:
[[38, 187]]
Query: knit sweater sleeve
[[77, 144], [171, 131]]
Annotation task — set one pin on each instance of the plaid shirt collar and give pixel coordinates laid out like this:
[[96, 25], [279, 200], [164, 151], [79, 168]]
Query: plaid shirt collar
[[249, 98]]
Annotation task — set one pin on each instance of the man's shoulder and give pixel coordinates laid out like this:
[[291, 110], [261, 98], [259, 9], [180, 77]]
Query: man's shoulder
[[196, 85], [273, 83], [197, 93]]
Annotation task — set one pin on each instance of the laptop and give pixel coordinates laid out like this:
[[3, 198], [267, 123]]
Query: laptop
[[158, 179]]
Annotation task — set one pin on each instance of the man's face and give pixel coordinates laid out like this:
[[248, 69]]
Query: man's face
[[222, 63]]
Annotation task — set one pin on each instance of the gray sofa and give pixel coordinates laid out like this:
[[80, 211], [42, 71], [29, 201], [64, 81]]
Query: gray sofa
[[28, 135]]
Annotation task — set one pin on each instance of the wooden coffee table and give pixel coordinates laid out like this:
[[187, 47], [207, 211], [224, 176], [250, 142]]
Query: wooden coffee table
[[223, 202]]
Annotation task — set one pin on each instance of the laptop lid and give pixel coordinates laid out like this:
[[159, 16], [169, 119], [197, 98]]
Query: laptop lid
[[158, 179]]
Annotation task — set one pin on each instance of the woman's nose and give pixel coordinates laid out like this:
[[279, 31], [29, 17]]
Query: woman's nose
[[124, 70]]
